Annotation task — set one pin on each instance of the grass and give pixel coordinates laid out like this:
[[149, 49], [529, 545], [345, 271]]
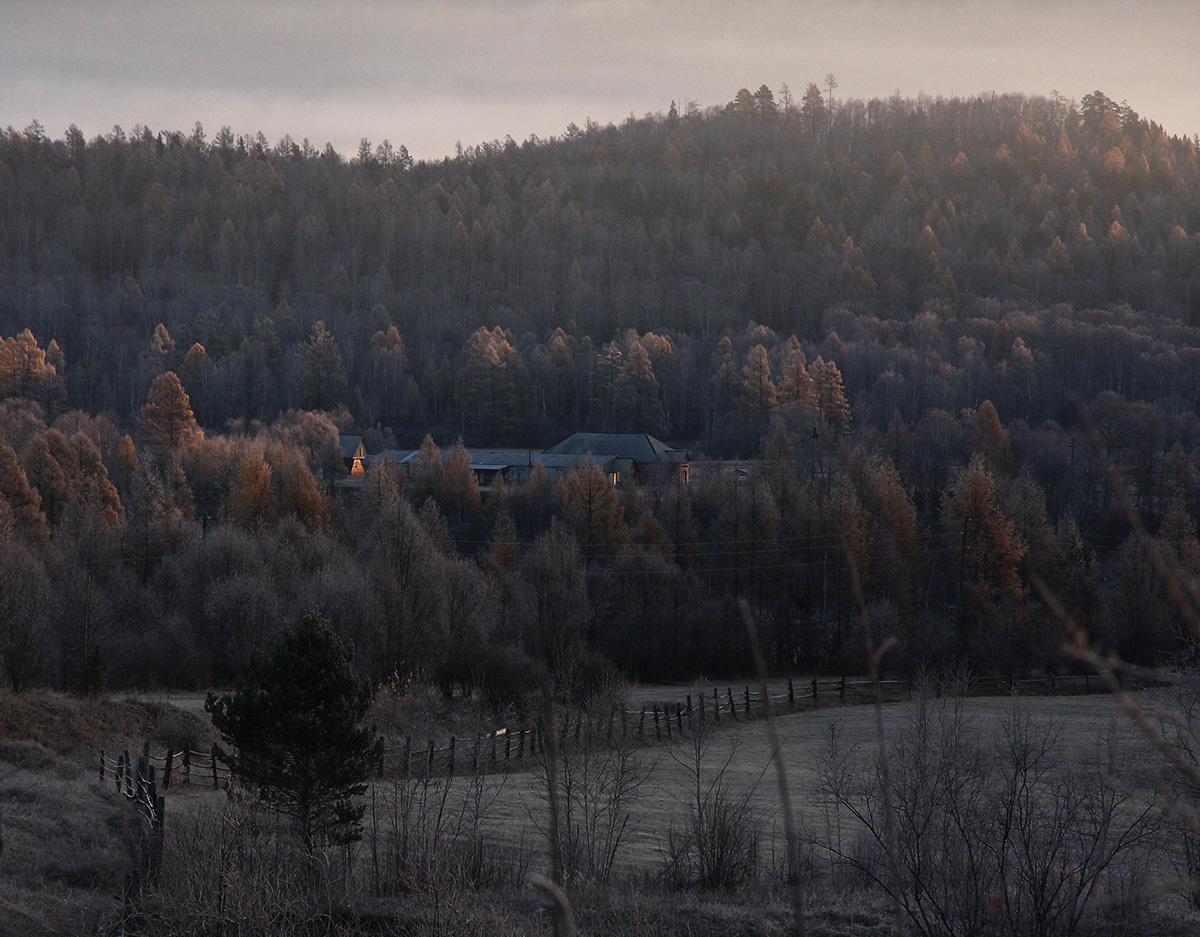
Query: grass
[[69, 841]]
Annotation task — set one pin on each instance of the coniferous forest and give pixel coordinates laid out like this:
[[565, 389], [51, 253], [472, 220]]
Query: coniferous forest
[[905, 342]]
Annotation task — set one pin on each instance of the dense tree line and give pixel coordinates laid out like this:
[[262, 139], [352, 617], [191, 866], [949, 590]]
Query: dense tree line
[[890, 305], [289, 278]]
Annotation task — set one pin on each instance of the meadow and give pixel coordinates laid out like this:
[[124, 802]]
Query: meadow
[[684, 837]]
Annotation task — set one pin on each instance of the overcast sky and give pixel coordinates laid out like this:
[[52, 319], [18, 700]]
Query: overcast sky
[[429, 74]]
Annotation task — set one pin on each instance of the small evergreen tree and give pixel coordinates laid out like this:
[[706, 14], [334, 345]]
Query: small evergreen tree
[[296, 734]]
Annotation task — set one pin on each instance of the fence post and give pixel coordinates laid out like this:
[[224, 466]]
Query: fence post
[[453, 745], [187, 764], [732, 708], [700, 697], [814, 689], [716, 707], [126, 775], [657, 729], [167, 768], [842, 690], [791, 694], [641, 721], [214, 767], [679, 715], [746, 698], [102, 764]]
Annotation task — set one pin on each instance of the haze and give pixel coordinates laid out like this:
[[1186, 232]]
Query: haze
[[431, 74]]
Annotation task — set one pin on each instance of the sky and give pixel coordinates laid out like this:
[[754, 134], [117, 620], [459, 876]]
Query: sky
[[431, 74]]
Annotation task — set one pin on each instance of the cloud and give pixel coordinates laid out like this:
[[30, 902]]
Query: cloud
[[430, 73]]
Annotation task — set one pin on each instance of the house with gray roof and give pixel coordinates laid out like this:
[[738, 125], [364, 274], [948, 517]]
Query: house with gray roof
[[636, 458]]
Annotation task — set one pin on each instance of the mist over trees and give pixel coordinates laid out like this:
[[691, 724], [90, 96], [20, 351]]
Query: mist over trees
[[888, 306]]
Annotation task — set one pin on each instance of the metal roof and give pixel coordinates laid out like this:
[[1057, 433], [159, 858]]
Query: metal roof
[[640, 447]]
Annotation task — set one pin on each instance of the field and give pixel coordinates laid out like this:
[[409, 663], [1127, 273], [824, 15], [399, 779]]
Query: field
[[70, 841]]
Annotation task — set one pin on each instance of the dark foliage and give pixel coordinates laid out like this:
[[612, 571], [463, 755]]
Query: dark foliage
[[297, 734]]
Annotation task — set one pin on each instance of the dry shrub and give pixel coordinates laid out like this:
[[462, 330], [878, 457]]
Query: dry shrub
[[426, 836], [600, 776], [1001, 836], [718, 841], [231, 867]]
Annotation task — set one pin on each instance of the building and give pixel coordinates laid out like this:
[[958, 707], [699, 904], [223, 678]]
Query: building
[[354, 454], [626, 458], [632, 458]]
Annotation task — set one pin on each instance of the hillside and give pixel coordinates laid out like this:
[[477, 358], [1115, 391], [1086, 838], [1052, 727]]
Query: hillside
[[903, 343], [764, 212]]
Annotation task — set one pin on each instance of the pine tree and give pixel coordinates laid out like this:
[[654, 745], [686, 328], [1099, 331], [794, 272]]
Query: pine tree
[[297, 736]]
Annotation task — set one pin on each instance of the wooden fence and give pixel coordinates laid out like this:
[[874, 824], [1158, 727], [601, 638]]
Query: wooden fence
[[516, 747], [137, 782], [510, 748]]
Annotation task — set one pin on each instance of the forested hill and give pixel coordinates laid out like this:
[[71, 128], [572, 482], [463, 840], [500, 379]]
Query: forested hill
[[763, 213]]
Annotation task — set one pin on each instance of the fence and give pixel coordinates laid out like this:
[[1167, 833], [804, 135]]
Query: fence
[[510, 748], [513, 747], [138, 783]]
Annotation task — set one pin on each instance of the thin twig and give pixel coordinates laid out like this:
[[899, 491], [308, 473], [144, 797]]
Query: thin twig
[[874, 656], [785, 800]]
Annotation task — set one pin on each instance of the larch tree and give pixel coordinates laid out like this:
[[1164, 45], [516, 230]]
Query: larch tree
[[991, 440], [427, 470], [831, 394], [590, 506], [757, 395], [252, 500], [459, 489], [795, 384], [24, 502], [166, 420], [638, 395], [993, 549]]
